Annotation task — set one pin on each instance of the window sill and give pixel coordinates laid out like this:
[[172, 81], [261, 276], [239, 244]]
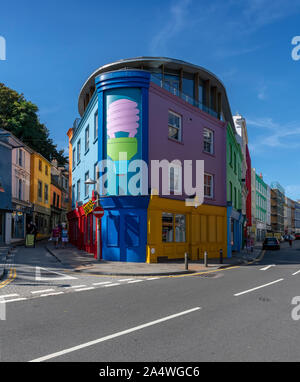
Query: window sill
[[210, 154], [175, 141]]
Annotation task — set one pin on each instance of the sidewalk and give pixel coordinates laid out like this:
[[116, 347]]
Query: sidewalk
[[81, 261]]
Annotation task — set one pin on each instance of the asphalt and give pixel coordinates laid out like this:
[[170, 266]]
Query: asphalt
[[81, 261], [3, 258], [184, 319]]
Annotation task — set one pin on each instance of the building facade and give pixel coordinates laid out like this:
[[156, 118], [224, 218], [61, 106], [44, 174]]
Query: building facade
[[40, 187], [59, 194], [151, 109], [277, 208], [297, 217], [261, 207], [235, 217], [22, 207]]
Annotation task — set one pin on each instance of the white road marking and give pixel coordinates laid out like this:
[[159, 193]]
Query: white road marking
[[82, 289], [153, 278], [42, 291], [13, 300], [102, 283], [109, 285], [51, 294], [123, 280], [296, 273], [77, 286], [38, 276], [268, 267], [10, 295], [259, 287], [115, 335], [135, 281]]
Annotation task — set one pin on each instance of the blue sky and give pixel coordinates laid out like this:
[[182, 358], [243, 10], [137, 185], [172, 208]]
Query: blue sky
[[53, 46]]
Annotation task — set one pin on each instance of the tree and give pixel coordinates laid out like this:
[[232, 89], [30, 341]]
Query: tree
[[19, 116]]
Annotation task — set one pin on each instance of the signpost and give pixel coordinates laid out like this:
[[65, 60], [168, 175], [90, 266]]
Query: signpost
[[98, 212]]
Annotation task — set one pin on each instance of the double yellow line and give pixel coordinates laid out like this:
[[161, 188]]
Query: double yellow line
[[11, 277]]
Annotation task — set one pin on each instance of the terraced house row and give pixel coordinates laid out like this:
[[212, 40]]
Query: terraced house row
[[31, 190]]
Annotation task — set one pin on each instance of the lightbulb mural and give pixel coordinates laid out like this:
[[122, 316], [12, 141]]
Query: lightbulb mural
[[123, 131], [122, 119]]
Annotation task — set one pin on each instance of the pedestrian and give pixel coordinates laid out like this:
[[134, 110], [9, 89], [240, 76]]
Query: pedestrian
[[64, 235], [290, 240], [55, 235]]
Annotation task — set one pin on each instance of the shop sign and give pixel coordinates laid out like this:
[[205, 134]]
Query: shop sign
[[88, 207]]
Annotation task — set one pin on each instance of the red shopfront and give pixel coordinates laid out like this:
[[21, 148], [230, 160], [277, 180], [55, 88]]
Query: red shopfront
[[83, 230]]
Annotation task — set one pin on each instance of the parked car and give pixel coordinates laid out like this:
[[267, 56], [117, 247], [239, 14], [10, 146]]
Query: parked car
[[297, 236], [271, 243]]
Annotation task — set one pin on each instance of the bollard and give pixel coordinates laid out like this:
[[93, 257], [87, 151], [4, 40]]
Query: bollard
[[221, 256], [205, 259], [186, 261]]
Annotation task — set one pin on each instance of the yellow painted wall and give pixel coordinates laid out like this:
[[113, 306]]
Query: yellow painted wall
[[206, 230], [37, 175]]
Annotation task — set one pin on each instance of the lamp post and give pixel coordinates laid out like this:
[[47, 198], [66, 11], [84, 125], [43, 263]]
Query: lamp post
[[94, 182]]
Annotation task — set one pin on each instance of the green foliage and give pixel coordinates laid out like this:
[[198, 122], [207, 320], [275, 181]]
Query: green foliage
[[19, 116]]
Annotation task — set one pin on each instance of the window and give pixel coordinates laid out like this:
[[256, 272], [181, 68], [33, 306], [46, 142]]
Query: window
[[40, 165], [208, 141], [46, 193], [234, 162], [230, 155], [87, 138], [208, 186], [167, 227], [20, 194], [46, 170], [96, 125], [54, 198], [175, 122], [78, 151], [180, 228], [234, 197], [230, 190], [175, 178], [73, 161], [78, 190], [20, 161], [86, 186], [73, 194], [40, 190], [57, 201], [171, 221]]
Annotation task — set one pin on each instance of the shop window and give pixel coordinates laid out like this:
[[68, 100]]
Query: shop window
[[180, 228], [173, 228], [175, 178], [175, 126], [208, 139]]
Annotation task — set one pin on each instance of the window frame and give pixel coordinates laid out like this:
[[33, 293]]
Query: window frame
[[180, 135], [87, 139], [212, 143], [211, 196]]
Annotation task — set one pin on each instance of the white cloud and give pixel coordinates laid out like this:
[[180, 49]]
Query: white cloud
[[177, 19]]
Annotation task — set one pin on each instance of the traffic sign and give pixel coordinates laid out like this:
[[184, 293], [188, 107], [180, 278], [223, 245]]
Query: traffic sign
[[98, 212]]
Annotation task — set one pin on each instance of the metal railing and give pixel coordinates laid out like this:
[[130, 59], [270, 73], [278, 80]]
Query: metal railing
[[192, 101]]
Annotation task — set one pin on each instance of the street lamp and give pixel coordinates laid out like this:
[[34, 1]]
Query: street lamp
[[89, 182]]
